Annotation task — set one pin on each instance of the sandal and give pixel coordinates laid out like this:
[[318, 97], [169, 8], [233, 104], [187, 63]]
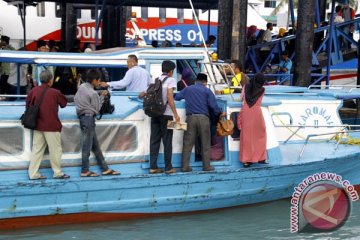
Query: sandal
[[39, 178], [246, 165], [89, 174], [110, 172], [64, 176]]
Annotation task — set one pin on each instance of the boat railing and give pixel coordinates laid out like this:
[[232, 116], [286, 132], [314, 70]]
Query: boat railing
[[349, 88], [338, 136], [223, 69], [299, 127], [22, 97]]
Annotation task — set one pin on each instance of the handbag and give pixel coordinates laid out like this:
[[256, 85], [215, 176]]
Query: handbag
[[29, 118], [224, 128]]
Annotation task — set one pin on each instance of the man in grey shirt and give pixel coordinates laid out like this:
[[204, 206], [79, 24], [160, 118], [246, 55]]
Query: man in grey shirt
[[88, 104], [136, 79]]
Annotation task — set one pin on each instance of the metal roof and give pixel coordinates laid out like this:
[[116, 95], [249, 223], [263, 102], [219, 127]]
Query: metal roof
[[198, 4]]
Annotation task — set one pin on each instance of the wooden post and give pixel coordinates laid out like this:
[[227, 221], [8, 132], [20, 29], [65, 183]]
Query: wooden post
[[224, 28], [239, 21], [304, 43]]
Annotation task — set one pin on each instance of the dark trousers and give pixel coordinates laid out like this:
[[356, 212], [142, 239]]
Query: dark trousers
[[197, 125], [160, 132], [4, 84], [90, 143], [13, 89]]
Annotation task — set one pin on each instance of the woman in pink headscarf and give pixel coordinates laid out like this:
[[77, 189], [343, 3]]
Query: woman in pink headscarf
[[251, 123]]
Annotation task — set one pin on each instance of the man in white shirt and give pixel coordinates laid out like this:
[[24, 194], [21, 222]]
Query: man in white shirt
[[13, 79], [267, 37], [136, 79]]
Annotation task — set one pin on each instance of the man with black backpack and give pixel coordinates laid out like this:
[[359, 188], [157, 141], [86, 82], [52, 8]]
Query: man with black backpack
[[159, 105]]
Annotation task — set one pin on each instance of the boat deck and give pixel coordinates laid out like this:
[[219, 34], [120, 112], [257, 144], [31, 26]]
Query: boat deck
[[314, 151]]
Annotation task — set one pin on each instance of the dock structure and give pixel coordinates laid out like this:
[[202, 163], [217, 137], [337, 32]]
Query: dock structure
[[317, 45]]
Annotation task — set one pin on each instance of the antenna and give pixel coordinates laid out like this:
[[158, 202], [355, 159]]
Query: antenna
[[208, 59]]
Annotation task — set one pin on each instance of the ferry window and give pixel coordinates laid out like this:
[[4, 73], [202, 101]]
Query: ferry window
[[78, 13], [20, 8], [58, 10], [40, 9], [13, 143], [162, 14], [180, 15], [270, 4], [93, 14], [197, 12], [236, 133], [144, 14], [70, 135], [117, 137], [189, 63]]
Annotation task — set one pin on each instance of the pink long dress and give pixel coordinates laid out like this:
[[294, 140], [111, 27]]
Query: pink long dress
[[253, 132]]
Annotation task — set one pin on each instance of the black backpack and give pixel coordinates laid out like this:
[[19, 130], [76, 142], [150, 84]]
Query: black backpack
[[154, 105], [106, 107]]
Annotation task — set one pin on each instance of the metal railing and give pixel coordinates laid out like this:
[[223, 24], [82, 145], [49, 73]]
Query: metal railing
[[221, 68], [336, 87], [338, 133]]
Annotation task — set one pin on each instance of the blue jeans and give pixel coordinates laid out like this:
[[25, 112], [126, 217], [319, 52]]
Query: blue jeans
[[90, 142]]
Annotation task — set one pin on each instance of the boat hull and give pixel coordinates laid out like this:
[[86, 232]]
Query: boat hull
[[129, 197]]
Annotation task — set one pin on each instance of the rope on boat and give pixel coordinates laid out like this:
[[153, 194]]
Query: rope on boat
[[347, 140]]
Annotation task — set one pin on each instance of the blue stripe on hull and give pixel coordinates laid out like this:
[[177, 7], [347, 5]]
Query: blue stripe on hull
[[161, 193]]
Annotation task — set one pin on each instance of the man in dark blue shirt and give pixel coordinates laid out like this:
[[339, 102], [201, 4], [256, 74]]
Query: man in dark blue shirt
[[199, 101]]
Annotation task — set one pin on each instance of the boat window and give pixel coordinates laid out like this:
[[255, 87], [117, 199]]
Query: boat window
[[162, 14], [92, 13], [144, 14], [40, 9], [349, 112], [282, 118], [112, 138], [13, 143], [188, 63], [78, 13], [117, 137], [197, 12], [270, 4], [180, 15], [70, 135], [236, 133], [58, 10]]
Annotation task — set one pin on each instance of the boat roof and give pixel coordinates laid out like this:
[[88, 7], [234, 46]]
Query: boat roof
[[108, 58], [332, 92], [198, 4]]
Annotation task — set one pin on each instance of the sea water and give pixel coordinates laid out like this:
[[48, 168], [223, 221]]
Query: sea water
[[256, 222]]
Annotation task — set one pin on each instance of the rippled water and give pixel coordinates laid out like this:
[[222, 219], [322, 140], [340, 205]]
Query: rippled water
[[265, 221]]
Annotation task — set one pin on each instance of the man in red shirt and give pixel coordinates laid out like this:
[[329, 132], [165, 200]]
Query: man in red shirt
[[48, 127]]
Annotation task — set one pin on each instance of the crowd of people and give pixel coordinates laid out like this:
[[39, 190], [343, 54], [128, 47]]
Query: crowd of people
[[273, 54], [200, 104], [66, 79]]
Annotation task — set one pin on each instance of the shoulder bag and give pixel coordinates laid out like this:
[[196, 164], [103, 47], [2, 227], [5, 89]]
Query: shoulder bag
[[29, 118]]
